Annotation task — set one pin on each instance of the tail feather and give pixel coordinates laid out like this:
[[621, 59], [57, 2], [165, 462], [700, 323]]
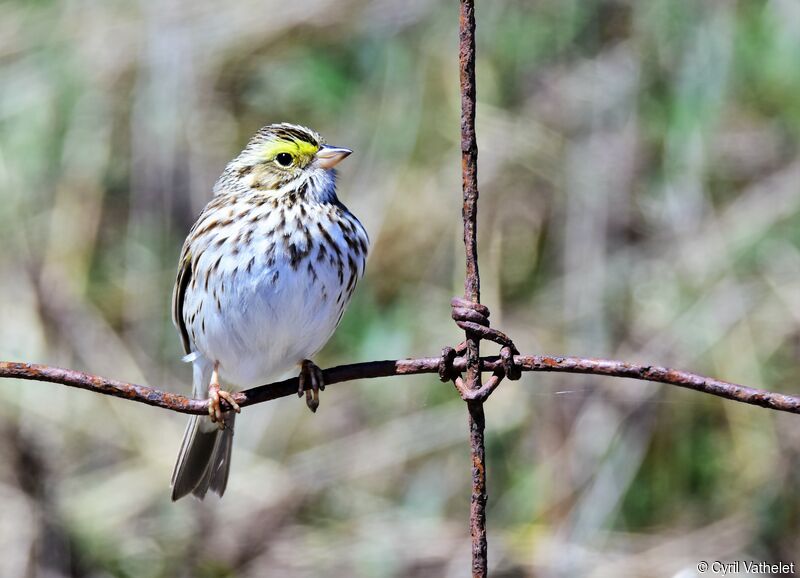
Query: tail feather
[[204, 460], [222, 467]]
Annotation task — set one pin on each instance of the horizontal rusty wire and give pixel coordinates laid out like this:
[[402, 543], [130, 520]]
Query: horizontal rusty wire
[[388, 368]]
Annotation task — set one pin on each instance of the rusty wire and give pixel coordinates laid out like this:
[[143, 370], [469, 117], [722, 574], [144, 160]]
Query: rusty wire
[[397, 367], [472, 286], [468, 314]]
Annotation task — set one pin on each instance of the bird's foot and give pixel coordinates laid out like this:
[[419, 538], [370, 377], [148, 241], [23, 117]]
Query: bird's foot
[[215, 408], [311, 382]]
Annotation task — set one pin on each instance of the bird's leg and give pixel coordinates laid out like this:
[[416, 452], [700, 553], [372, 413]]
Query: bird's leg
[[310, 375], [214, 395]]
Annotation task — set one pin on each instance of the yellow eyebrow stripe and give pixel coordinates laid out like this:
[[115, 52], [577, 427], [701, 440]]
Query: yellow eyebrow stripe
[[294, 147]]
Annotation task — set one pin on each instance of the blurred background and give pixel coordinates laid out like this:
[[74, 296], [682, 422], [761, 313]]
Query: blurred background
[[640, 199]]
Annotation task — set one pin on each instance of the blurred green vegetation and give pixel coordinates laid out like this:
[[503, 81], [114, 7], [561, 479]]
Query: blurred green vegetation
[[640, 199]]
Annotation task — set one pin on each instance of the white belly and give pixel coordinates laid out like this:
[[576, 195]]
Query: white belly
[[267, 325], [264, 311]]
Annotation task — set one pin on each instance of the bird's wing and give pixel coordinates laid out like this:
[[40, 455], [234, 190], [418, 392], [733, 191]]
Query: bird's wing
[[179, 296]]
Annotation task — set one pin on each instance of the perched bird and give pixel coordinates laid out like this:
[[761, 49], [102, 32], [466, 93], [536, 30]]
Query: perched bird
[[263, 280]]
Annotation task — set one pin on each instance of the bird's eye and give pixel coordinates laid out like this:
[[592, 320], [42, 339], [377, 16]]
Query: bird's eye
[[284, 159]]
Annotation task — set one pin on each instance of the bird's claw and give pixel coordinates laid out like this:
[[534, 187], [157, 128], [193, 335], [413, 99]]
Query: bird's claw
[[311, 382], [215, 407]]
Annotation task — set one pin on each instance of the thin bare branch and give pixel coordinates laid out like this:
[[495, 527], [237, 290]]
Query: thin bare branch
[[373, 369]]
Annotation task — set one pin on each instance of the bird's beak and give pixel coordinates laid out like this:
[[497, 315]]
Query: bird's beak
[[328, 156]]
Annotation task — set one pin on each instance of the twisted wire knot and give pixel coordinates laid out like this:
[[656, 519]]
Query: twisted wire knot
[[446, 371], [474, 319]]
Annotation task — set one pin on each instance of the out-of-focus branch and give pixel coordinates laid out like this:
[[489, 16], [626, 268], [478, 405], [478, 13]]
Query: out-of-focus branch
[[373, 369]]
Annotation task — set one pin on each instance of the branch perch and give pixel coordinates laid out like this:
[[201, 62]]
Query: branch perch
[[373, 369]]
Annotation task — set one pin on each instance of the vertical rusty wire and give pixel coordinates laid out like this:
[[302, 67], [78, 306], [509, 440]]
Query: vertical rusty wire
[[472, 283]]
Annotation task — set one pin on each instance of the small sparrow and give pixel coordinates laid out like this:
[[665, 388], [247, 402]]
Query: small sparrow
[[263, 280]]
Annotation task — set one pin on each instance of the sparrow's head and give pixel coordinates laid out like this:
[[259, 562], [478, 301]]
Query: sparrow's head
[[281, 154]]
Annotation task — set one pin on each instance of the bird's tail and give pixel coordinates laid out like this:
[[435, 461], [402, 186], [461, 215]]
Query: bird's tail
[[204, 460]]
